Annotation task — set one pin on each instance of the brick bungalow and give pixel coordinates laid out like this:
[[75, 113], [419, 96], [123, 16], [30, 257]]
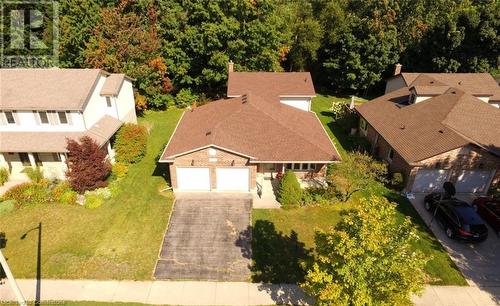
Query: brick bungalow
[[437, 127], [264, 127]]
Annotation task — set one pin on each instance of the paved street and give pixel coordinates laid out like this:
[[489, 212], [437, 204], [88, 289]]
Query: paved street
[[208, 238], [479, 263]]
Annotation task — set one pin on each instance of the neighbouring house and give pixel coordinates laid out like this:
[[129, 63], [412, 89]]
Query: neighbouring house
[[437, 127], [264, 127], [41, 108]]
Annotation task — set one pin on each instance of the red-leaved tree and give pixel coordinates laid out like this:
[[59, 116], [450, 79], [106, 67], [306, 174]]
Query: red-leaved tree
[[88, 166]]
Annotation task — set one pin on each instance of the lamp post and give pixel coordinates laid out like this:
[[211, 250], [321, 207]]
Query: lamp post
[[38, 261]]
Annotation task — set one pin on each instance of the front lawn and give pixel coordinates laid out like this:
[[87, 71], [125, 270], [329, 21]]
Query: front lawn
[[295, 228], [119, 240]]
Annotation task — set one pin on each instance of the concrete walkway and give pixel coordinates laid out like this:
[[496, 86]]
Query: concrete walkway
[[216, 293]]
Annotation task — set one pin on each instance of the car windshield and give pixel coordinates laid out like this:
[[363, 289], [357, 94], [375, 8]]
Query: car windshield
[[467, 215]]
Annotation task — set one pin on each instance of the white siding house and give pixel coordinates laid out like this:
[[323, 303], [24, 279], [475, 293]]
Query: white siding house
[[41, 108]]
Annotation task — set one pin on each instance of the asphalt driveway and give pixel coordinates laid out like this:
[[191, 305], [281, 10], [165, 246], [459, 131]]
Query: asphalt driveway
[[208, 238], [480, 262]]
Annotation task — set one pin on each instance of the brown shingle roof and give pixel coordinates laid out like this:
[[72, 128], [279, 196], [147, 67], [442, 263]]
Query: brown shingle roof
[[477, 84], [112, 85], [253, 126], [56, 141], [270, 83], [434, 126]]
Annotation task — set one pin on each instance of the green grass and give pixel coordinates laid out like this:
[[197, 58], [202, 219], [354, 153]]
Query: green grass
[[80, 303], [119, 240], [294, 229]]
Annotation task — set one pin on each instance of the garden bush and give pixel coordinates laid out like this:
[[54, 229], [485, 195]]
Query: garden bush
[[119, 170], [7, 206], [95, 198], [88, 165], [4, 176], [397, 181], [290, 193], [30, 193], [93, 201], [130, 143], [62, 193], [317, 196], [35, 174]]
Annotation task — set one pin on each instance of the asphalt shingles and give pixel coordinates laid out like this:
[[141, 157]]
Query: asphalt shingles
[[207, 239]]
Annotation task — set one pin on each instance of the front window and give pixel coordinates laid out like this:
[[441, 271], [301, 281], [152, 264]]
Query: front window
[[10, 118], [63, 119], [44, 118], [108, 101], [362, 124], [296, 166]]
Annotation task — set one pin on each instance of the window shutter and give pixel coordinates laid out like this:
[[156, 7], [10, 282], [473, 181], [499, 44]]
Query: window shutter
[[37, 117]]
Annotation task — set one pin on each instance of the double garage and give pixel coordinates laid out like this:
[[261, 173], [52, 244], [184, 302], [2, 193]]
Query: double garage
[[466, 181], [226, 178]]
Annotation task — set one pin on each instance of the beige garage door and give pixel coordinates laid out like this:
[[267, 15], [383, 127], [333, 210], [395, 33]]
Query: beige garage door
[[429, 180]]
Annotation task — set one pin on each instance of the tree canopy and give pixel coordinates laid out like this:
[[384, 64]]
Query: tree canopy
[[367, 259], [350, 46]]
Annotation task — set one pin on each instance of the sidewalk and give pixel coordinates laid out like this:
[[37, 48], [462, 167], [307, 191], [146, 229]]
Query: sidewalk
[[217, 293]]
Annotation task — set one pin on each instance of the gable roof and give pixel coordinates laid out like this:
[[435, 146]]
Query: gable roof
[[476, 84], [254, 126], [434, 126], [112, 85], [270, 83], [52, 89]]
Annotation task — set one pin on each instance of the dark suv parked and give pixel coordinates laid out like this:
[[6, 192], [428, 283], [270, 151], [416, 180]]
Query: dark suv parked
[[458, 218]]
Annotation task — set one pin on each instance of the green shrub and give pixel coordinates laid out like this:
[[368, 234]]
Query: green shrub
[[35, 174], [397, 181], [29, 193], [119, 170], [317, 196], [4, 176], [62, 193], [185, 98], [130, 143], [95, 198], [290, 193], [93, 201], [7, 206]]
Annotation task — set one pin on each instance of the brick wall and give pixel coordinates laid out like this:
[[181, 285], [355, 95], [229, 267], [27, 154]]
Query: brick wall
[[222, 158]]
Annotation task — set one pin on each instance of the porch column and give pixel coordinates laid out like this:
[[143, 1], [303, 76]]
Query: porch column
[[32, 160], [111, 152], [3, 162], [283, 168]]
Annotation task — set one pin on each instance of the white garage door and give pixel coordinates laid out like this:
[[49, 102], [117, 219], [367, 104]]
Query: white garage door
[[473, 181], [428, 180], [232, 179], [193, 178]]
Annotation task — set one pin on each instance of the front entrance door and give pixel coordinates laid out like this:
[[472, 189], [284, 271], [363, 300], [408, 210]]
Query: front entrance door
[[268, 170]]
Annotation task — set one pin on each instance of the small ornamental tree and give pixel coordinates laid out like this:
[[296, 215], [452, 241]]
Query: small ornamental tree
[[290, 193], [356, 172], [88, 166], [367, 259], [130, 143]]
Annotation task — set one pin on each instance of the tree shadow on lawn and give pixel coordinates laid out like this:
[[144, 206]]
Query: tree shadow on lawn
[[277, 258], [341, 129]]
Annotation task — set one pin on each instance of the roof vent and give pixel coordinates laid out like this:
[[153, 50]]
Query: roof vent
[[244, 98], [441, 131], [208, 133], [432, 82], [402, 126], [453, 92], [460, 83]]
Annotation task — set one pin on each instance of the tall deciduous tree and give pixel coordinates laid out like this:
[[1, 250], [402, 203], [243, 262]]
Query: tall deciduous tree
[[201, 36], [88, 166], [367, 259], [356, 172], [126, 41]]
